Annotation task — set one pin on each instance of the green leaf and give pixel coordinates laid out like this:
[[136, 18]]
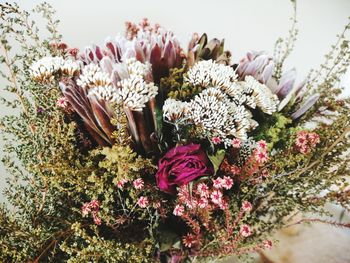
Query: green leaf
[[217, 159]]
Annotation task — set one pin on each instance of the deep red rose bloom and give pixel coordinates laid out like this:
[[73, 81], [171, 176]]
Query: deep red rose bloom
[[181, 165]]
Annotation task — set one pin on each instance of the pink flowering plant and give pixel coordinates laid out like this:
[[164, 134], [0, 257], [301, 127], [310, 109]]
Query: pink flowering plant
[[142, 150]]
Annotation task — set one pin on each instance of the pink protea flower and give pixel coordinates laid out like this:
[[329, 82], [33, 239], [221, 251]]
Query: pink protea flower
[[217, 183], [216, 197], [189, 240], [143, 202], [179, 210], [216, 140], [62, 102], [138, 183], [121, 183], [261, 155], [203, 202], [245, 230], [227, 182], [246, 206], [267, 244], [236, 143], [203, 190]]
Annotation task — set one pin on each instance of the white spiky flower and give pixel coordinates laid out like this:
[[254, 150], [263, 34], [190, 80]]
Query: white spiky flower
[[262, 95], [70, 67], [209, 73], [136, 67], [135, 92], [105, 93], [175, 111], [44, 69], [92, 76]]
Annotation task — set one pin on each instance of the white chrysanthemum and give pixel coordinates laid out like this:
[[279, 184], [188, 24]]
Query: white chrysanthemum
[[174, 110], [92, 76], [45, 68], [209, 73], [263, 97], [135, 92], [70, 67], [106, 93]]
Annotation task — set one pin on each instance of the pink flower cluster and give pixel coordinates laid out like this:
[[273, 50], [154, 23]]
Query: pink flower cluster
[[260, 153], [204, 197], [138, 184], [235, 143], [93, 208], [305, 141]]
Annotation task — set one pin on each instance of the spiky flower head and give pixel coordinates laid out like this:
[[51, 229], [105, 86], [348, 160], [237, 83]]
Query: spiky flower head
[[175, 110], [93, 76], [105, 93], [209, 73]]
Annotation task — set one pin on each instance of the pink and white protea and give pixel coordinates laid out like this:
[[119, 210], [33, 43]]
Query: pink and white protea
[[256, 64], [143, 202], [62, 102], [245, 230], [179, 210], [260, 155], [262, 145], [138, 184]]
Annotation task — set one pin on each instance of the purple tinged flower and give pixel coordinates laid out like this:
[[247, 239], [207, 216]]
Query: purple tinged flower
[[181, 165]]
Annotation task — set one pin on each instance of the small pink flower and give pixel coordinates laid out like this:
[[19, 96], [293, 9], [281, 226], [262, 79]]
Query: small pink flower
[[236, 143], [314, 138], [300, 141], [203, 190], [223, 204], [189, 240], [262, 145], [97, 220], [304, 149], [191, 203], [143, 202], [138, 184], [267, 244], [227, 182], [121, 183], [261, 156], [216, 197], [246, 206], [62, 102], [179, 210], [86, 209], [216, 140], [245, 230], [95, 205], [203, 202], [217, 183]]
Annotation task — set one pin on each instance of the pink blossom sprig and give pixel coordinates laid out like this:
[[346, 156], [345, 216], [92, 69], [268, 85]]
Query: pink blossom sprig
[[306, 141], [93, 208]]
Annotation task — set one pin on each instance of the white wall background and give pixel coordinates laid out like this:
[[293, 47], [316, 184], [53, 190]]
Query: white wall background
[[245, 24]]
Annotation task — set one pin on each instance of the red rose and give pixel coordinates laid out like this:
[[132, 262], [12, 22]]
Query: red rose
[[181, 165]]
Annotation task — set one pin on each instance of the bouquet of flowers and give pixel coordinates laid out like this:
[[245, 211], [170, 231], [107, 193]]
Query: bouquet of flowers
[[140, 150]]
